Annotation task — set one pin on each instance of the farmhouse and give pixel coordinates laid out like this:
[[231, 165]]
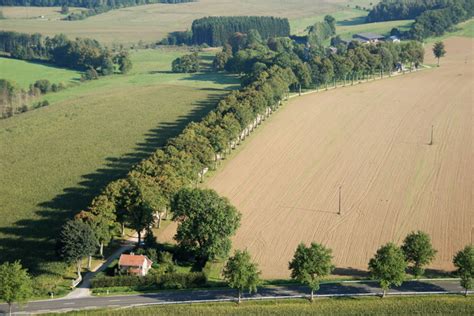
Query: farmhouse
[[134, 264], [368, 37]]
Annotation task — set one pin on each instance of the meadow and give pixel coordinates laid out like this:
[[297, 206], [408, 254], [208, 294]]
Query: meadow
[[53, 160], [25, 73], [372, 140], [423, 305], [150, 23]]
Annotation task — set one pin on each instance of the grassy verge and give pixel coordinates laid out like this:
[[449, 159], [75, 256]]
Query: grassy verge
[[424, 305]]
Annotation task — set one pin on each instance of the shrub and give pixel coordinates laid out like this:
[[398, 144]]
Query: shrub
[[165, 281], [43, 85]]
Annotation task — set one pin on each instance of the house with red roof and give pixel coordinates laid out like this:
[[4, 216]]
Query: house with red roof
[[134, 264]]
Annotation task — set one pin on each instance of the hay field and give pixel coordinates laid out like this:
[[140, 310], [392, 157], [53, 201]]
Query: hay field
[[25, 73], [371, 139], [150, 23], [55, 159]]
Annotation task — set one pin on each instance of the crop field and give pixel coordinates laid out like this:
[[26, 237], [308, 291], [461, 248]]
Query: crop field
[[25, 73], [373, 141], [53, 160], [424, 305], [150, 23]]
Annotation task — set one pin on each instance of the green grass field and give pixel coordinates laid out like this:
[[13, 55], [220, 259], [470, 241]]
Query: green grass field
[[25, 73], [54, 160], [423, 305]]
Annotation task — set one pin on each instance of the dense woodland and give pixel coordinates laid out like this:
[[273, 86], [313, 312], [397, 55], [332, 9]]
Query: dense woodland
[[79, 54], [432, 17], [215, 31]]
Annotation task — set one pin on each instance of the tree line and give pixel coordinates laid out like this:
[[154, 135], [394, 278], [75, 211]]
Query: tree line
[[314, 65], [390, 10], [216, 30], [432, 17], [79, 54]]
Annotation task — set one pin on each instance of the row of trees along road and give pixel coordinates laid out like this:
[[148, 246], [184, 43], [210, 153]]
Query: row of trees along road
[[79, 54], [389, 265], [314, 65], [308, 266]]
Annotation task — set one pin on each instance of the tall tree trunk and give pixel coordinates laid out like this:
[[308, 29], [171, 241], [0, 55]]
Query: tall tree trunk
[[10, 308], [312, 295], [384, 293], [139, 233], [89, 262], [466, 292], [123, 229], [101, 249], [240, 296]]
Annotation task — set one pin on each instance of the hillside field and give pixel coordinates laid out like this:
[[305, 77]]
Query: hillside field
[[54, 160], [150, 23], [25, 73], [372, 140]]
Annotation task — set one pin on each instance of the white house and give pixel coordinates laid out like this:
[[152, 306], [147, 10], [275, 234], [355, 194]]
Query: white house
[[134, 264]]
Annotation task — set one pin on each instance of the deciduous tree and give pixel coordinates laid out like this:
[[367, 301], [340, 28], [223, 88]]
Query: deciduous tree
[[206, 222], [15, 284], [310, 264], [388, 266], [464, 262], [418, 250], [241, 273]]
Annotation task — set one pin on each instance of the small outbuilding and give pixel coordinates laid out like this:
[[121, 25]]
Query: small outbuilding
[[393, 39], [134, 264]]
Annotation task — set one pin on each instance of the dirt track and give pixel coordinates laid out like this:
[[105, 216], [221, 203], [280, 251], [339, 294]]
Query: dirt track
[[371, 139]]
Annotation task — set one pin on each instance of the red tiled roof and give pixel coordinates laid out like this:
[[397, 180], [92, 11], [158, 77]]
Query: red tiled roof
[[133, 260]]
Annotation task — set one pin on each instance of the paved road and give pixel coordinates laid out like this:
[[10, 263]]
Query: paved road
[[284, 291]]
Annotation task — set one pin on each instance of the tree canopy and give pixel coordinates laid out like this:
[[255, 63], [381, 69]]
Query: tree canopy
[[464, 263], [15, 284], [241, 273], [310, 264], [439, 50], [77, 241], [388, 266], [418, 251], [206, 222]]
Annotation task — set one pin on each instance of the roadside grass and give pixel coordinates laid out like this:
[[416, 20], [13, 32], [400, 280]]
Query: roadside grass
[[419, 305], [54, 160], [25, 73]]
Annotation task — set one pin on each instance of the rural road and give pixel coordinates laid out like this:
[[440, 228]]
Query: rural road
[[283, 291]]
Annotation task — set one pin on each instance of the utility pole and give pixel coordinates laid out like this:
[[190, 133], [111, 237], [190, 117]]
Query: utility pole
[[339, 208], [431, 139]]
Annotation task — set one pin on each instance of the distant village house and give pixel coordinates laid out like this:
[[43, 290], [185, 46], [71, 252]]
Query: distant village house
[[371, 38]]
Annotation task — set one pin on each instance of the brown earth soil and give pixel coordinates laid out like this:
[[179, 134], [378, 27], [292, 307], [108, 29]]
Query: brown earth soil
[[372, 140]]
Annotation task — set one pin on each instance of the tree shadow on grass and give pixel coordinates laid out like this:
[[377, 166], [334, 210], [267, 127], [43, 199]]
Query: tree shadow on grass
[[33, 240], [353, 21]]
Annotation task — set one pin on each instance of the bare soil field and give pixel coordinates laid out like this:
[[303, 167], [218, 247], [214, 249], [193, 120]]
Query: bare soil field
[[371, 139]]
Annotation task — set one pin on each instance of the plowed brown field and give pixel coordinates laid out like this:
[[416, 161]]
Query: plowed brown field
[[372, 140]]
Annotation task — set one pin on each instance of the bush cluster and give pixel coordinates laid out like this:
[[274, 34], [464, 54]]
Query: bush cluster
[[164, 281]]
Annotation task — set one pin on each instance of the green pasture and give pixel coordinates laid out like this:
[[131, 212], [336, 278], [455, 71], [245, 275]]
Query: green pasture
[[55, 159], [423, 305], [25, 73]]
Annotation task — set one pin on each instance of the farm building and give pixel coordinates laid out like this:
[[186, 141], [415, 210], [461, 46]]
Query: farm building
[[134, 264], [368, 37]]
